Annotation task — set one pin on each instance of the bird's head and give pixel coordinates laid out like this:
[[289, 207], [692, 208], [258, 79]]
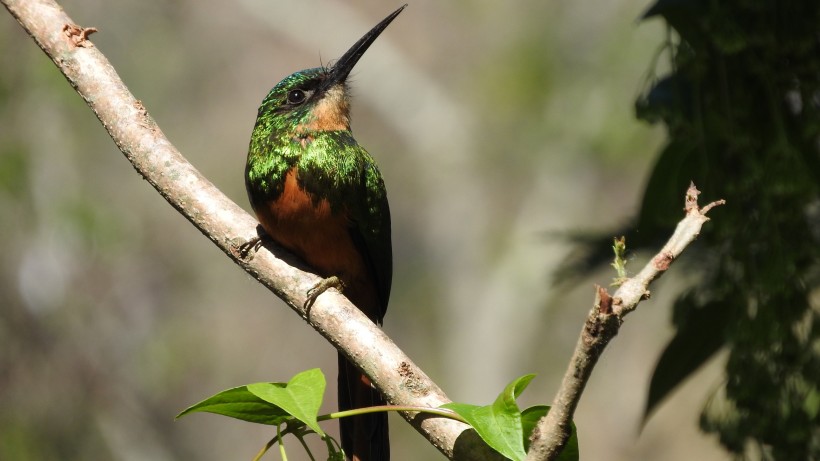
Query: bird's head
[[316, 99]]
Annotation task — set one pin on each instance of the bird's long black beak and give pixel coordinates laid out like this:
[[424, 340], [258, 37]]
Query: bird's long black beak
[[345, 64]]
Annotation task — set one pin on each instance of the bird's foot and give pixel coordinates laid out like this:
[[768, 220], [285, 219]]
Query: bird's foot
[[251, 246], [321, 287]]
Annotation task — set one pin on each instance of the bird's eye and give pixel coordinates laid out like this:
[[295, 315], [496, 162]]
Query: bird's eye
[[296, 97]]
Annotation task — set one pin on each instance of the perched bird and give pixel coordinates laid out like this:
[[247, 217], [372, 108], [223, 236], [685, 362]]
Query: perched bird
[[319, 194]]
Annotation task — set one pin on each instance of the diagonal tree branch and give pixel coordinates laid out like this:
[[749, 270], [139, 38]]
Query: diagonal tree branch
[[228, 226], [602, 324]]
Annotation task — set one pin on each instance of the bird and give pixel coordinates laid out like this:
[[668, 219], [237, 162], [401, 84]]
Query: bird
[[320, 195]]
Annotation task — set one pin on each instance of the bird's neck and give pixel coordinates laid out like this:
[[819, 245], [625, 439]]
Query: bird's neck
[[325, 160], [331, 113]]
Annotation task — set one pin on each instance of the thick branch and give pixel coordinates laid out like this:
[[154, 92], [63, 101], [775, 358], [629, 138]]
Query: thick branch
[[602, 324], [228, 226]]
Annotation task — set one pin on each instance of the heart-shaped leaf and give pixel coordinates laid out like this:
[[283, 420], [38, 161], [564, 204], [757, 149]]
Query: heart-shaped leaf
[[499, 424], [301, 397]]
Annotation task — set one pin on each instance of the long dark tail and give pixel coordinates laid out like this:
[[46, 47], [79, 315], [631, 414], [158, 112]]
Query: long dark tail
[[365, 437]]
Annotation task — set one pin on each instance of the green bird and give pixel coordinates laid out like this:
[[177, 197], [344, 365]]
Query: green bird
[[319, 194]]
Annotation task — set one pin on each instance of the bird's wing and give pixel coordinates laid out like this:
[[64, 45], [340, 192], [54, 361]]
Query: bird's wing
[[371, 233]]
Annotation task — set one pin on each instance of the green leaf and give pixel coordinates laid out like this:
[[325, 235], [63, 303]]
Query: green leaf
[[301, 396], [241, 404], [700, 335], [515, 388], [531, 416], [499, 424], [676, 166]]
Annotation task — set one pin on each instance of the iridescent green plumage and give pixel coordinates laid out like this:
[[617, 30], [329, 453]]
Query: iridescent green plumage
[[332, 157], [330, 166], [320, 195]]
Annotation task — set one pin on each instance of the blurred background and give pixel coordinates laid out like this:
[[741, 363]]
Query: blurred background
[[497, 127]]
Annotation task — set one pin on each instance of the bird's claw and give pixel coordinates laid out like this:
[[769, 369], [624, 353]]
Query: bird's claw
[[321, 287], [251, 245]]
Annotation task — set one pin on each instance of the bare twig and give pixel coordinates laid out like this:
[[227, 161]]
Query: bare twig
[[602, 324], [137, 135]]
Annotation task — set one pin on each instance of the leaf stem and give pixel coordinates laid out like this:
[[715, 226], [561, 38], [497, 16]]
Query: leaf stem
[[264, 449], [282, 451], [443, 412], [301, 439]]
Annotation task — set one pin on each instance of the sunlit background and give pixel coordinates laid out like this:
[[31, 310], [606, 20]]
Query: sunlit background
[[498, 126]]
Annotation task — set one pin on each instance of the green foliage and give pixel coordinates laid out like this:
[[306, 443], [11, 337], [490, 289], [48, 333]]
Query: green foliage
[[296, 403], [499, 424], [619, 262], [530, 417], [742, 108], [240, 403], [301, 397], [270, 403], [743, 114], [683, 355], [506, 428]]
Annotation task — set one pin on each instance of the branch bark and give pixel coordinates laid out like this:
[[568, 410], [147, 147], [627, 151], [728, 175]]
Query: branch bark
[[608, 311], [228, 226]]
